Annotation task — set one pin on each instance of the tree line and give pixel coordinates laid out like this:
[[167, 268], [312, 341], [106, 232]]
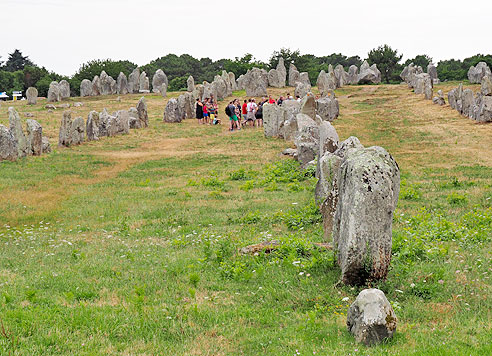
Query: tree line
[[18, 72]]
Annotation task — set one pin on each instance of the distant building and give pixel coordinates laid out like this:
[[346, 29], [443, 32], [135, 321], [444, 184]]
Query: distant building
[[3, 96]]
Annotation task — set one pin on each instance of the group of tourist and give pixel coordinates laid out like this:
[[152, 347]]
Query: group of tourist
[[248, 114]]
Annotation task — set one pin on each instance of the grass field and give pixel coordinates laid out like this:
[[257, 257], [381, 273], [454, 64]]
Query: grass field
[[128, 245]]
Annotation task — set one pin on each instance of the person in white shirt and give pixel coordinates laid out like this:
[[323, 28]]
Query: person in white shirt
[[251, 109]]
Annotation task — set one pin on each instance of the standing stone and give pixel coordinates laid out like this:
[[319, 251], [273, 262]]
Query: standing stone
[[294, 75], [256, 83], [104, 123], [304, 78], [190, 83], [164, 90], [46, 147], [282, 72], [432, 71], [119, 124], [133, 81], [134, 121], [325, 82], [86, 88], [54, 93], [92, 126], [106, 83], [369, 184], [96, 86], [327, 108], [143, 83], [8, 145], [308, 105], [341, 76], [475, 74], [307, 139], [121, 84], [32, 95], [428, 87], [272, 118], [302, 89], [143, 116], [439, 99], [158, 79], [274, 79], [171, 112], [35, 137], [353, 75], [64, 89], [65, 134], [232, 79], [371, 318], [369, 74], [77, 131], [486, 86], [23, 148]]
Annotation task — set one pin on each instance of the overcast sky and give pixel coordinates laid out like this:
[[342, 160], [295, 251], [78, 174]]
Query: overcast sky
[[63, 34]]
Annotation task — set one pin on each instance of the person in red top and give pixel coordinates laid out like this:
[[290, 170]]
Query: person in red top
[[205, 111], [245, 109], [271, 100]]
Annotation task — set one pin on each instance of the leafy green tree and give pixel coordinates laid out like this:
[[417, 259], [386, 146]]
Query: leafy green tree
[[387, 60], [422, 60], [287, 54], [178, 84], [451, 69], [17, 61], [241, 65]]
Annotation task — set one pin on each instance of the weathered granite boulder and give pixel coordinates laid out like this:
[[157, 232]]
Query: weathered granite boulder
[[304, 78], [92, 126], [143, 83], [483, 109], [143, 116], [106, 83], [226, 79], [326, 82], [85, 88], [432, 71], [8, 145], [134, 81], [340, 75], [475, 74], [96, 86], [64, 87], [308, 105], [274, 79], [327, 107], [307, 139], [159, 78], [369, 74], [46, 147], [353, 75], [486, 86], [288, 120], [122, 84], [272, 119], [369, 184], [282, 72], [77, 131], [65, 134], [54, 94], [119, 123], [171, 112], [439, 99], [294, 75], [134, 121], [468, 103], [371, 318], [164, 90], [232, 79], [190, 83], [32, 95], [301, 89], [255, 83], [23, 148], [35, 137], [428, 92], [328, 138]]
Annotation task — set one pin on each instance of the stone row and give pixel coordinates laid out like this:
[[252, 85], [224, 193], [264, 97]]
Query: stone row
[[76, 131], [15, 144]]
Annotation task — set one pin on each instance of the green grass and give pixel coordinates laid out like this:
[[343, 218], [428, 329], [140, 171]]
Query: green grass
[[144, 261]]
